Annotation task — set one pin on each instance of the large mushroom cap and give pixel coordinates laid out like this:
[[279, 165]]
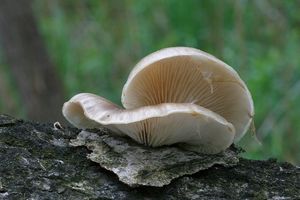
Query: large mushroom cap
[[175, 95], [164, 124], [187, 75]]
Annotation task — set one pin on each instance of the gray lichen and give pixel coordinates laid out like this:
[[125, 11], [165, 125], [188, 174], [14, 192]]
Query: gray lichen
[[138, 165]]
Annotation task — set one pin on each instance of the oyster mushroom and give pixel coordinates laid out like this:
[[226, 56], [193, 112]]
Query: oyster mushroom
[[175, 95]]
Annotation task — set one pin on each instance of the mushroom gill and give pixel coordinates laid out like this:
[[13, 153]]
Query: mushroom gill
[[187, 75], [175, 95]]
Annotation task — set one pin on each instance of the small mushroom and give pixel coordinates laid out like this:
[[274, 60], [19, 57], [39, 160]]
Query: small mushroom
[[175, 95]]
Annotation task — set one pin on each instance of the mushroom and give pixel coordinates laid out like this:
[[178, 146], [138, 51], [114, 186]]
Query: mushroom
[[175, 95]]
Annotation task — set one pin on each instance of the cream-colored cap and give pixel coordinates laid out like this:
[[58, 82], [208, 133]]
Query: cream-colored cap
[[175, 95]]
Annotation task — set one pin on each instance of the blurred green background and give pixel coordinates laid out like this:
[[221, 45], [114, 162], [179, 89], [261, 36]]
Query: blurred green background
[[94, 45]]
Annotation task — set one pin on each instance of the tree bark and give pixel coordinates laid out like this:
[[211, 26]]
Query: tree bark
[[38, 82], [37, 162]]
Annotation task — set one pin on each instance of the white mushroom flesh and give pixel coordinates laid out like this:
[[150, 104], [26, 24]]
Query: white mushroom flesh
[[186, 75], [157, 125], [175, 95]]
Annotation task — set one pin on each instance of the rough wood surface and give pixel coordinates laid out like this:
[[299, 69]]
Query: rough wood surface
[[139, 165], [37, 162]]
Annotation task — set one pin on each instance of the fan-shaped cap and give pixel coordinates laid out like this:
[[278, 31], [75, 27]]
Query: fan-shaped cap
[[175, 95], [164, 124], [187, 75]]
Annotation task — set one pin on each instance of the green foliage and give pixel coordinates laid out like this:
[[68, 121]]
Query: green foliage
[[94, 45]]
